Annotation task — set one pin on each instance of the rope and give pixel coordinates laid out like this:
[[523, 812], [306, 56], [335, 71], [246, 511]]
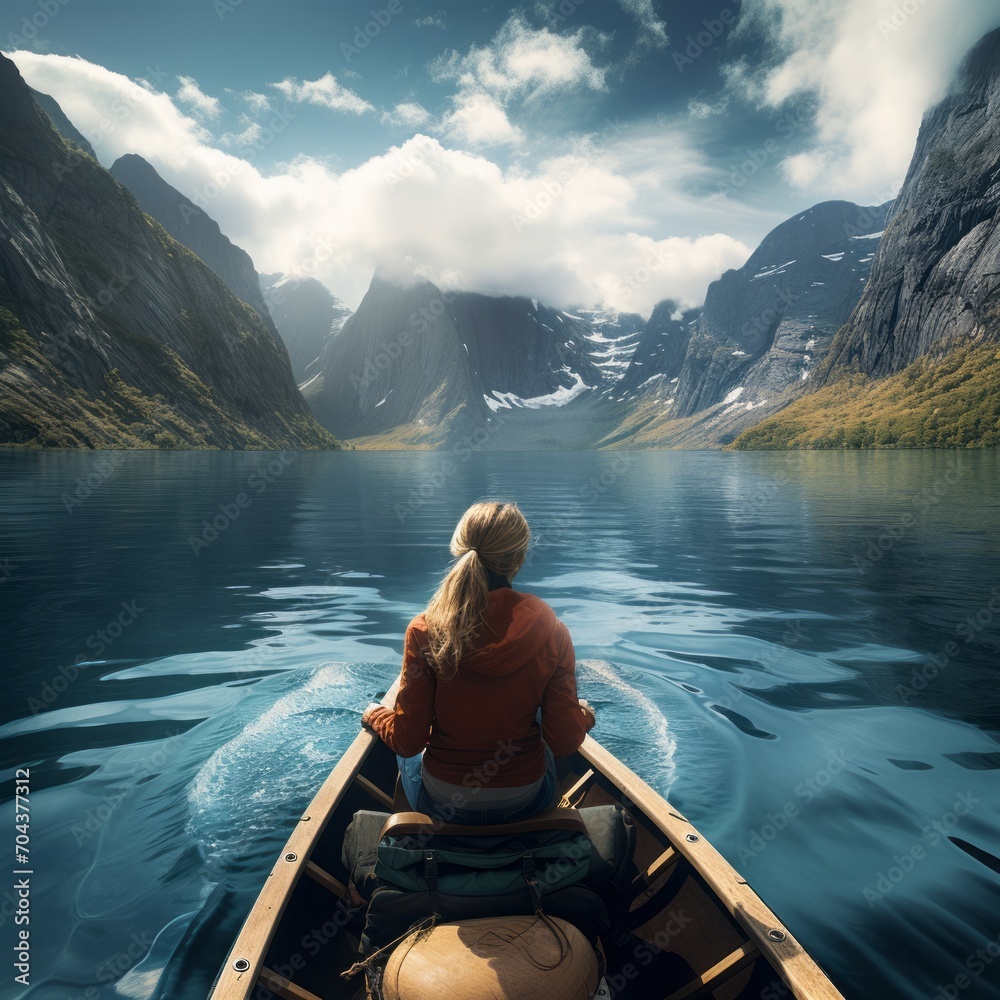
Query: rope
[[422, 925]]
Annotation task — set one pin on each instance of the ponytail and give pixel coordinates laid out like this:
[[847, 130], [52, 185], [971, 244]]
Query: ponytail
[[491, 535]]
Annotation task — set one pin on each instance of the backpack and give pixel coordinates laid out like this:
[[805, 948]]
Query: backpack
[[413, 870]]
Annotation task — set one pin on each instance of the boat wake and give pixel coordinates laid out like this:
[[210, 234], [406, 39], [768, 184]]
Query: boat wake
[[629, 723], [251, 789]]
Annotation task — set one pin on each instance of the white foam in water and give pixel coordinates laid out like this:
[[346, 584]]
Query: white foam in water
[[629, 723], [248, 786]]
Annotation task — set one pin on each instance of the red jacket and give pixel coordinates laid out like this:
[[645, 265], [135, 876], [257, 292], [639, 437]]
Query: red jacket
[[480, 725]]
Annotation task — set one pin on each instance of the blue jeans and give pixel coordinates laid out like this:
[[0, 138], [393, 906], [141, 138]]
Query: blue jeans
[[410, 776]]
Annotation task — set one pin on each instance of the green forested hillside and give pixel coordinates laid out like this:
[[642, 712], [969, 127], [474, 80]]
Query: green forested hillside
[[949, 401]]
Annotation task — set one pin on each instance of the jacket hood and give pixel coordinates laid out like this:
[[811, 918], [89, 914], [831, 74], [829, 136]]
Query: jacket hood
[[531, 622]]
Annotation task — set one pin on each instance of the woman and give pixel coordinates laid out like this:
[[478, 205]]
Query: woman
[[487, 697]]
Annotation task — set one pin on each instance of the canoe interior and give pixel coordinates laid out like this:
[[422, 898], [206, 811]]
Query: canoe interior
[[680, 928]]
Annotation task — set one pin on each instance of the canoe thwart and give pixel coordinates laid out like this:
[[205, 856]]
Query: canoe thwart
[[284, 988], [325, 879], [657, 867], [374, 791], [718, 973]]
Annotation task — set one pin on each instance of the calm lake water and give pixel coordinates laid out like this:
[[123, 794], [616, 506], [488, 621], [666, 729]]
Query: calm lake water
[[800, 650]]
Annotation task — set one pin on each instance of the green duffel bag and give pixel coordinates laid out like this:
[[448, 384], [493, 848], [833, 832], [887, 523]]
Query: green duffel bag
[[484, 866]]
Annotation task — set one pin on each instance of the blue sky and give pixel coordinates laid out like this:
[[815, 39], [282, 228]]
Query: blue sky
[[564, 149]]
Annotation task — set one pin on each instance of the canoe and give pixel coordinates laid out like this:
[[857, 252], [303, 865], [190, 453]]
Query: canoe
[[689, 902]]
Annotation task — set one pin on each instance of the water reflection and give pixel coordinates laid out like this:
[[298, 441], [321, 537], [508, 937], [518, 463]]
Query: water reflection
[[800, 648]]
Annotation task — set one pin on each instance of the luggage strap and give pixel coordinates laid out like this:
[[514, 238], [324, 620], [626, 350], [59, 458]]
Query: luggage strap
[[530, 880]]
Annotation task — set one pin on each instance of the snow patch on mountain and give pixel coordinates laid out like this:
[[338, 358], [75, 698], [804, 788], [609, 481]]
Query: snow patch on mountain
[[560, 397]]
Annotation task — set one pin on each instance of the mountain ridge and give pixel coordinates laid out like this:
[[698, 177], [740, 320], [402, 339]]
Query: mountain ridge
[[112, 334], [934, 289]]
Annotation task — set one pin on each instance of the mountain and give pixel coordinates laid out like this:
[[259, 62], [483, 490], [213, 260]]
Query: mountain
[[698, 377], [112, 334], [61, 123], [932, 306], [938, 274], [307, 316], [662, 346], [416, 366], [192, 226]]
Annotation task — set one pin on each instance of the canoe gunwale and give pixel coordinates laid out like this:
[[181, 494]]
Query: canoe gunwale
[[799, 971], [258, 930], [790, 961]]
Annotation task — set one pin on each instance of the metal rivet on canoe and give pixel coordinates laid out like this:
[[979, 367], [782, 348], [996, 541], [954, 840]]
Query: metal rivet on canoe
[[692, 838], [241, 965], [775, 935], [291, 856]]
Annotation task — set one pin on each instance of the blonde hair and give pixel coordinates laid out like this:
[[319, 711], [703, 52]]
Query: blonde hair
[[492, 535]]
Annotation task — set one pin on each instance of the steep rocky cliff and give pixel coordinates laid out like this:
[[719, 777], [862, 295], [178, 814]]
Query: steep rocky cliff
[[307, 316], [765, 326], [937, 275], [700, 377], [192, 226], [923, 333], [111, 333], [659, 355], [418, 366], [62, 124]]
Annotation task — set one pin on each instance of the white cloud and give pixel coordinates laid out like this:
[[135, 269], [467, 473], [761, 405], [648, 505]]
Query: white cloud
[[325, 92], [480, 120], [872, 67], [653, 31], [525, 61], [409, 113], [118, 115], [192, 95], [575, 229], [436, 20], [699, 108], [250, 136], [522, 63], [257, 102]]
